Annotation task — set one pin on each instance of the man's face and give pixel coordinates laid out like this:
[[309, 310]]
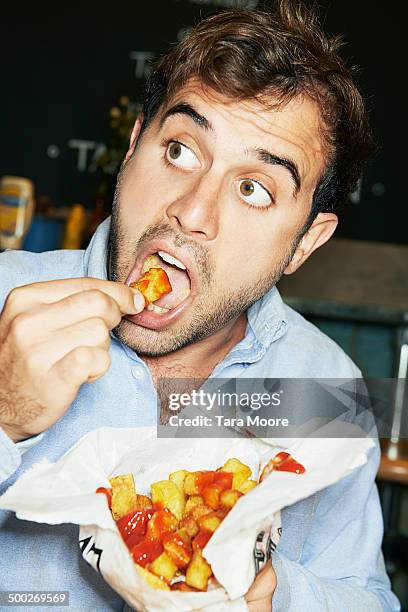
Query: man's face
[[225, 188]]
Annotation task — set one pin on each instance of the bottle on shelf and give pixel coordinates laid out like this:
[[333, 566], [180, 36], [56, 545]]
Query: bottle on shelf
[[16, 210]]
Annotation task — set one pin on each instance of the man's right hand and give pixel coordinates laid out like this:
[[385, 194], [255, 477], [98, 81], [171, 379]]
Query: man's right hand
[[54, 336]]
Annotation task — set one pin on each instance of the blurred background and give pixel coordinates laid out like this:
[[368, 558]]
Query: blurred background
[[72, 79]]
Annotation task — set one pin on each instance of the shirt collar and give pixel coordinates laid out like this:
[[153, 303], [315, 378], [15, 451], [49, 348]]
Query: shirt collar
[[267, 320], [96, 254]]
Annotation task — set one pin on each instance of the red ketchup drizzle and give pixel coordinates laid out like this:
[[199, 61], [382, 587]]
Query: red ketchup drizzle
[[201, 539], [222, 480], [133, 526], [204, 480], [143, 532], [146, 551], [178, 548], [283, 462]]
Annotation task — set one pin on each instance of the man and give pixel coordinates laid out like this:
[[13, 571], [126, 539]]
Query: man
[[252, 134]]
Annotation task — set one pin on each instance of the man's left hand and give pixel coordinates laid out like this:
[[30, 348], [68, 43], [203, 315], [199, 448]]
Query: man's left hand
[[259, 596]]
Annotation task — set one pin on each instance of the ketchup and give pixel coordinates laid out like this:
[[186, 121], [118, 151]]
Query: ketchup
[[143, 532], [201, 539], [223, 480], [133, 526], [146, 551], [204, 480], [284, 462], [179, 549], [162, 521]]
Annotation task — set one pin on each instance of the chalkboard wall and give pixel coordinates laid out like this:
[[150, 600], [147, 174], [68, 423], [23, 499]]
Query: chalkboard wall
[[66, 64]]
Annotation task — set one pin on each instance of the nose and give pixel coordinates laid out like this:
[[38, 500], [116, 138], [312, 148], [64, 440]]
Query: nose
[[196, 213]]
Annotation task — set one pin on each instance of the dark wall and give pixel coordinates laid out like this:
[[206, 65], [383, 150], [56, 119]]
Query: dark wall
[[66, 65]]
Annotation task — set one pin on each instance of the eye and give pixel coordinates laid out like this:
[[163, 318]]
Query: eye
[[254, 194], [181, 156]]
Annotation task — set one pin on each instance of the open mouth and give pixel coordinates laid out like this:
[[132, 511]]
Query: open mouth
[[167, 308]]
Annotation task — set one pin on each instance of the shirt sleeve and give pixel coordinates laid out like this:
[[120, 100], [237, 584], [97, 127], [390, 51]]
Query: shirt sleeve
[[341, 567], [10, 457], [25, 445], [11, 453]]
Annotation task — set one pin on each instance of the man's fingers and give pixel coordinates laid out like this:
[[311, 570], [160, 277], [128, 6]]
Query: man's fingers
[[82, 364], [68, 311], [54, 336], [261, 591], [90, 333], [260, 605], [21, 299]]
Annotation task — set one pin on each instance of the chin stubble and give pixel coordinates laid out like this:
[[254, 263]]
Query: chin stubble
[[206, 320]]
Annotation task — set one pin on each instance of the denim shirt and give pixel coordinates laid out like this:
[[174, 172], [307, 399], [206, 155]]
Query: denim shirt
[[329, 556]]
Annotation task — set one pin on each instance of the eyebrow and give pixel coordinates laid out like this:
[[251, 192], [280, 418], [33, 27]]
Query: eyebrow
[[262, 154], [276, 160], [186, 109]]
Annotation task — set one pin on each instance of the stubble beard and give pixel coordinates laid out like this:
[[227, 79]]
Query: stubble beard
[[206, 315]]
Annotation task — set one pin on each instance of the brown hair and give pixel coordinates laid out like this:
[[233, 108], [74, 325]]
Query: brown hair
[[273, 56]]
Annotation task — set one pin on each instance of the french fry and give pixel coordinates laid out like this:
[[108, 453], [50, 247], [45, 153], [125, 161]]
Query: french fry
[[168, 495], [190, 525], [184, 536], [142, 502], [228, 499], [162, 521], [182, 586], [209, 522], [153, 284], [199, 511], [190, 484], [163, 567], [152, 580], [211, 496], [178, 478], [201, 540], [177, 545], [123, 495], [247, 486], [198, 572], [240, 471], [192, 502]]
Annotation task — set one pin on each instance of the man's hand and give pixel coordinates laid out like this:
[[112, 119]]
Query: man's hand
[[259, 596], [54, 336]]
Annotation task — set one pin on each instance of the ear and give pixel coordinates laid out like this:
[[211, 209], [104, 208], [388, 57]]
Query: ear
[[134, 136], [318, 233]]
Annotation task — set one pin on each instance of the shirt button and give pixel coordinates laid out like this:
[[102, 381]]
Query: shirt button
[[137, 372]]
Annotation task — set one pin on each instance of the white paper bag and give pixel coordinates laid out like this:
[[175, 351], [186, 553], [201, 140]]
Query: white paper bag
[[65, 492]]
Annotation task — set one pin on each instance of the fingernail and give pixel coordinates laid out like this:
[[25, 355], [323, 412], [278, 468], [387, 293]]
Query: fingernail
[[139, 301]]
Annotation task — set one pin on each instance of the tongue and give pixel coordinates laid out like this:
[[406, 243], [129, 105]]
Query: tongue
[[178, 278], [180, 283]]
